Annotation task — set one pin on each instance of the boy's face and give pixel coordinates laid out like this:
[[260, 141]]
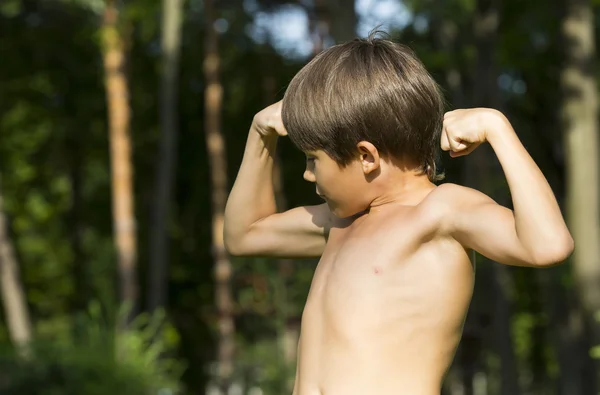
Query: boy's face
[[340, 187]]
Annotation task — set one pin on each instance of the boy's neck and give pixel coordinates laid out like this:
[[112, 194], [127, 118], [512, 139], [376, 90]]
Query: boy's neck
[[402, 187]]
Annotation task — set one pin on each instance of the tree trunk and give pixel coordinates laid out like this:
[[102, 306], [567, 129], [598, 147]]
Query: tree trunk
[[165, 171], [445, 35], [579, 119], [76, 227], [504, 284], [460, 377], [343, 20], [486, 24], [288, 330], [566, 331], [332, 22], [215, 144], [318, 26], [18, 321], [119, 114]]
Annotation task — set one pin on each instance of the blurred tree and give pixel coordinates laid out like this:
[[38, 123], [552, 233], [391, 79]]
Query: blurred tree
[[215, 144], [486, 94], [55, 164], [319, 25], [331, 22], [342, 14], [579, 115], [446, 35], [119, 114], [463, 56], [287, 328], [16, 310], [158, 274], [479, 91]]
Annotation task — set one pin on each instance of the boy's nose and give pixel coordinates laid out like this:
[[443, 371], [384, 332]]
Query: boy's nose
[[309, 176]]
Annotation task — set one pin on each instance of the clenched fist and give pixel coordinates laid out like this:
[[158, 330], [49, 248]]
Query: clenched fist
[[465, 130], [268, 121]]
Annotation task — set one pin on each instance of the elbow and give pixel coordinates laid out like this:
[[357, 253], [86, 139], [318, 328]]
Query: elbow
[[555, 252], [238, 243], [234, 245], [235, 251], [233, 242]]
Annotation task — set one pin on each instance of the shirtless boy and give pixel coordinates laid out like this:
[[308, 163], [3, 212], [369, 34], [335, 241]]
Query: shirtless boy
[[389, 296]]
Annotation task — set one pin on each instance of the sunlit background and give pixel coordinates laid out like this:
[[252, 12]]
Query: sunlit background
[[122, 128]]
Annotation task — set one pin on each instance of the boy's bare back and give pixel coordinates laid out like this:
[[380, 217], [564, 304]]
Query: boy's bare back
[[389, 296], [386, 306]]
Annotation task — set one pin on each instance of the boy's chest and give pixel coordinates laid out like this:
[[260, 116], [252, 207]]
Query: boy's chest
[[358, 261], [363, 278]]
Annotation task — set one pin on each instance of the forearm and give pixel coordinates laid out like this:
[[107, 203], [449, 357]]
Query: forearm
[[252, 197], [539, 223]]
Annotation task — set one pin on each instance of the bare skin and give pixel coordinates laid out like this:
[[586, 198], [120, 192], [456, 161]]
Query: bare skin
[[386, 306], [389, 296]]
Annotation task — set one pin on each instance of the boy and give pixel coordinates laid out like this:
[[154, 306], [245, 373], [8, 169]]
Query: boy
[[389, 296]]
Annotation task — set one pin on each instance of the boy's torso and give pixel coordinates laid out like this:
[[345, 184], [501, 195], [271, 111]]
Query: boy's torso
[[386, 306]]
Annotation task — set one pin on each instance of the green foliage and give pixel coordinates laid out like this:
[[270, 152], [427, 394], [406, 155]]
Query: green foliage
[[95, 359], [261, 365], [595, 350], [55, 167]]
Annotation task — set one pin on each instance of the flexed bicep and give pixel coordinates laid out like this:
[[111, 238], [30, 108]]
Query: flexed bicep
[[478, 223], [297, 233], [489, 229]]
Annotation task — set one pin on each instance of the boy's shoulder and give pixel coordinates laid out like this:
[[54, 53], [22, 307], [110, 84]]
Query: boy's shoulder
[[449, 200], [452, 194]]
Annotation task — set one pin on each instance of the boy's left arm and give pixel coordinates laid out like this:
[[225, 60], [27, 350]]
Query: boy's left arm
[[534, 233]]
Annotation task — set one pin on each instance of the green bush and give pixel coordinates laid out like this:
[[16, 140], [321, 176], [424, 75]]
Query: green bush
[[95, 360]]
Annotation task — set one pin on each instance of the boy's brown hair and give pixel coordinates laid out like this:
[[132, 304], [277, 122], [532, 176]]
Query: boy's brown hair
[[367, 89]]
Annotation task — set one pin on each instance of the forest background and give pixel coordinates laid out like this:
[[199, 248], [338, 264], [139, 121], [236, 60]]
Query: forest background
[[122, 127]]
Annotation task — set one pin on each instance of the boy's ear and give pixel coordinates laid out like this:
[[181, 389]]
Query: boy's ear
[[369, 156]]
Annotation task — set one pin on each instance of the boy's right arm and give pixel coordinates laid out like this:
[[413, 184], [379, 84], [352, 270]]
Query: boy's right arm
[[252, 225]]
